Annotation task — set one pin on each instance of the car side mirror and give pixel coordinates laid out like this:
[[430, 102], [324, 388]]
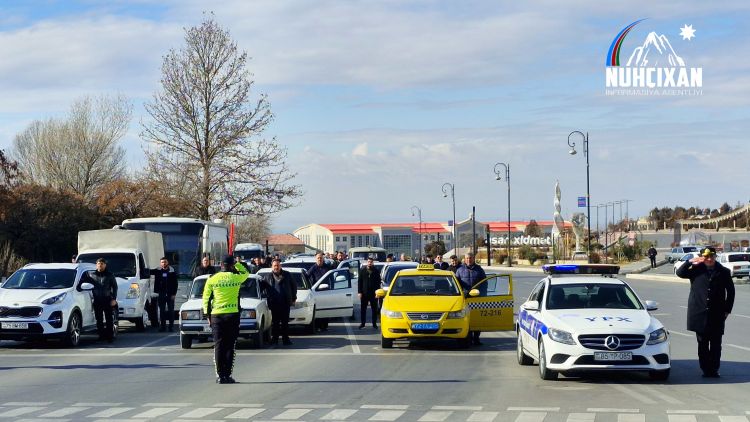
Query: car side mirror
[[531, 305], [380, 293], [340, 278], [473, 293], [651, 305], [385, 289], [322, 287], [87, 286]]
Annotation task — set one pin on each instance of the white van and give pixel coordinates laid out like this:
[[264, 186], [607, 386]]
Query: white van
[[365, 252]]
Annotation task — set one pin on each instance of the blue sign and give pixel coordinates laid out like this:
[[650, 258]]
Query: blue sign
[[450, 222], [581, 202]]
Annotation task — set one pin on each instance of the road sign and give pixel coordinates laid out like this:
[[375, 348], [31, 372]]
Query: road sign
[[450, 223], [581, 202]]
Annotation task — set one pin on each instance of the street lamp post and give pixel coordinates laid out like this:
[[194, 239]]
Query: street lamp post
[[573, 151], [498, 176], [453, 198], [419, 213]]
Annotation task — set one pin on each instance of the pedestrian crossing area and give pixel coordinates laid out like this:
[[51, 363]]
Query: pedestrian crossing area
[[186, 412]]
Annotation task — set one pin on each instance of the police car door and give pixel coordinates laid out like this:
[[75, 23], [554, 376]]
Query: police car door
[[492, 310], [529, 319], [335, 299]]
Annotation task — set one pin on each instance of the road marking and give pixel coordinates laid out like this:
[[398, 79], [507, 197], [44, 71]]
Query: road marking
[[21, 411], [732, 419], [27, 403], [483, 416], [292, 414], [533, 409], [155, 412], [236, 405], [629, 391], [167, 404], [387, 415], [65, 411], [456, 407], [435, 416], [111, 412], [136, 349], [692, 412], [738, 347], [269, 352], [581, 417], [680, 334], [310, 406], [611, 410], [201, 412], [531, 417], [682, 418], [740, 315], [338, 414], [98, 404], [352, 339], [659, 394], [244, 413], [385, 406], [630, 417]]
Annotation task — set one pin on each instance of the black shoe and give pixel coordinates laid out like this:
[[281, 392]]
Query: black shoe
[[218, 380], [361, 326], [171, 328], [224, 380], [229, 380], [274, 341], [287, 342], [711, 375], [375, 326], [477, 343], [110, 340], [162, 329]]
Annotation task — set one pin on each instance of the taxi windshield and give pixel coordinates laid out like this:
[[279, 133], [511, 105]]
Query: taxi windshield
[[424, 285], [576, 296]]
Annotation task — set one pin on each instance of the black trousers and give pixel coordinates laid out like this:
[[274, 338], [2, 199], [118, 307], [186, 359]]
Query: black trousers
[[103, 312], [653, 261], [166, 310], [226, 328], [280, 316], [363, 302], [709, 352]]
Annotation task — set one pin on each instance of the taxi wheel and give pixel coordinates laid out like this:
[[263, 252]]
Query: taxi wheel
[[464, 342], [386, 343], [523, 358], [186, 341], [659, 375], [544, 373]]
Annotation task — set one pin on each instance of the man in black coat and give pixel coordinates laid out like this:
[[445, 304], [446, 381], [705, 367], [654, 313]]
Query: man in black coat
[[281, 289], [204, 268], [105, 299], [652, 256], [369, 282], [315, 273], [709, 304], [439, 263], [165, 286]]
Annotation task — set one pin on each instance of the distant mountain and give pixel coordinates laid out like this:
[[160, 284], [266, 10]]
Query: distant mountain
[[656, 51]]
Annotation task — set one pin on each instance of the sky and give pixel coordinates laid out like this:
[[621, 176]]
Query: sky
[[380, 103]]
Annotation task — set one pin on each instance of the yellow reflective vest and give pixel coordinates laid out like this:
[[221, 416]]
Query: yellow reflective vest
[[221, 294]]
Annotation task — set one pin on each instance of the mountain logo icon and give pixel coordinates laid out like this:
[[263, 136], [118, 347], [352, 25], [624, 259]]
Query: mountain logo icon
[[656, 51]]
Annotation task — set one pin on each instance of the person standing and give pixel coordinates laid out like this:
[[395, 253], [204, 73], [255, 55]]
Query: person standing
[[439, 264], [165, 286], [652, 255], [281, 289], [105, 299], [454, 264], [221, 302], [469, 275], [369, 282], [709, 304], [205, 268], [315, 273]]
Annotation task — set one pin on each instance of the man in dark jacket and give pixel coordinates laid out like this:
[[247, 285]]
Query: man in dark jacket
[[369, 282], [439, 264], [709, 304], [468, 275], [652, 256], [105, 299], [454, 264], [165, 285], [315, 273], [281, 289], [204, 268]]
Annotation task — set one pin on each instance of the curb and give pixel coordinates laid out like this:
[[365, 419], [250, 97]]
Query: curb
[[644, 268]]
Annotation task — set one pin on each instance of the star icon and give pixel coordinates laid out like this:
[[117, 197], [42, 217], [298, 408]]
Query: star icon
[[687, 32]]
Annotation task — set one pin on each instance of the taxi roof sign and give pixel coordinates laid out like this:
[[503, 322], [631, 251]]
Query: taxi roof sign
[[423, 267], [601, 269]]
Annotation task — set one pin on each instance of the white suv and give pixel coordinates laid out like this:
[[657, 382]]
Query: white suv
[[47, 301]]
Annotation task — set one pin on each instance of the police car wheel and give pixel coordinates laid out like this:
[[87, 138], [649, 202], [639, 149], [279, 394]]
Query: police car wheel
[[662, 375], [544, 373], [186, 342], [386, 343], [523, 358]]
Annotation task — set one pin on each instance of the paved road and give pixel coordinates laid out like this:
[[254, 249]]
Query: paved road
[[344, 375]]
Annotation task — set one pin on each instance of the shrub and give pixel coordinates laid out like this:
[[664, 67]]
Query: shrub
[[595, 258]]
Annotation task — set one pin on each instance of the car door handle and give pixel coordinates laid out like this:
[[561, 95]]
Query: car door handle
[[348, 294]]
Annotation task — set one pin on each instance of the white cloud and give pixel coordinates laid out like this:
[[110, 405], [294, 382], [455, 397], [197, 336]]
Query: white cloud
[[360, 150]]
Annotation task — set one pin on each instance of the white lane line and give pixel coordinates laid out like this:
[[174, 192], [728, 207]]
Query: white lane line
[[483, 416], [732, 419], [244, 413], [682, 418], [97, 404], [653, 391], [456, 407], [111, 412], [338, 414], [629, 391], [581, 417], [740, 315], [611, 410], [352, 339], [435, 416], [236, 405], [27, 403], [65, 411], [155, 412], [200, 412], [533, 409], [310, 406], [387, 415], [292, 414], [738, 347], [21, 411], [631, 417], [385, 406], [692, 412], [136, 349], [680, 334], [531, 417], [167, 404]]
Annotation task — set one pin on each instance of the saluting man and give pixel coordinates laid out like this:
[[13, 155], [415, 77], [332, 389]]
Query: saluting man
[[221, 302]]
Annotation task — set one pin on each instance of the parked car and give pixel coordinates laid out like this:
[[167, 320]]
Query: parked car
[[687, 257], [391, 268], [738, 263], [678, 252]]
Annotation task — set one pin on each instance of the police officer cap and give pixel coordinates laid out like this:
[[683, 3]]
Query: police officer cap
[[228, 261], [708, 251]]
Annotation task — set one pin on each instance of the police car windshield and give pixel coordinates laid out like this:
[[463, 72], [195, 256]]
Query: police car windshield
[[577, 296], [424, 285], [41, 279]]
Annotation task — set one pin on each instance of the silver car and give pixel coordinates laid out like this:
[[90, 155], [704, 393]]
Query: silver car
[[678, 252]]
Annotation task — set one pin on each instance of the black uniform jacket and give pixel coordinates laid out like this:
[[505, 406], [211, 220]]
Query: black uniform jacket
[[710, 297], [369, 281]]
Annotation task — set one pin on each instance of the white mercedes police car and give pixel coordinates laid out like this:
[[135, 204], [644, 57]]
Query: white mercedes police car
[[580, 318]]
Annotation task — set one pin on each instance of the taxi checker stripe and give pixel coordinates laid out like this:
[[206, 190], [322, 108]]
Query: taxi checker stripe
[[491, 305]]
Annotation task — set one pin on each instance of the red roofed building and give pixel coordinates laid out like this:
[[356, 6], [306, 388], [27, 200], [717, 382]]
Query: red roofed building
[[284, 243]]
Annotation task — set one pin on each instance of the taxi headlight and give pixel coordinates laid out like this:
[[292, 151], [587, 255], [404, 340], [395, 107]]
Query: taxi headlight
[[134, 292], [300, 305], [247, 314], [190, 314], [561, 336], [392, 314], [658, 336], [54, 299], [457, 315]]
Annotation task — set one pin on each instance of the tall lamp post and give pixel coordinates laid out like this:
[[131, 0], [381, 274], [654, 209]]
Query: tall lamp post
[[498, 176], [418, 213], [452, 187], [573, 151]]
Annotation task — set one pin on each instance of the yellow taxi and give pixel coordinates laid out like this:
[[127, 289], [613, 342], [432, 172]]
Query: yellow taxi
[[429, 303]]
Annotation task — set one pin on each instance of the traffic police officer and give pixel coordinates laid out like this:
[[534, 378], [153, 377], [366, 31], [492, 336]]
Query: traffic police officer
[[221, 302]]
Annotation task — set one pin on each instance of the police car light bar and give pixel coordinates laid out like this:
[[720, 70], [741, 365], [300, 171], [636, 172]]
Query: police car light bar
[[603, 269]]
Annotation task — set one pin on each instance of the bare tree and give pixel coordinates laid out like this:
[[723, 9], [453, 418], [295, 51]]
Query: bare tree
[[205, 133], [252, 229], [79, 152]]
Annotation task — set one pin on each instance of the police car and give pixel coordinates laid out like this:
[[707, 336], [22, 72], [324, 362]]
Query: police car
[[581, 318]]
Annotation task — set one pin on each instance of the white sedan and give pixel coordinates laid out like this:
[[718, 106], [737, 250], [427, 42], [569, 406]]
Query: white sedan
[[577, 320], [255, 317], [738, 263], [686, 257]]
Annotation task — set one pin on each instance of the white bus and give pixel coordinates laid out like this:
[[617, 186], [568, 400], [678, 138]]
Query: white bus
[[186, 242]]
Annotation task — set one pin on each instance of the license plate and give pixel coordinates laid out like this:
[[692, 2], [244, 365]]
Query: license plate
[[15, 326], [425, 326], [604, 356]]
